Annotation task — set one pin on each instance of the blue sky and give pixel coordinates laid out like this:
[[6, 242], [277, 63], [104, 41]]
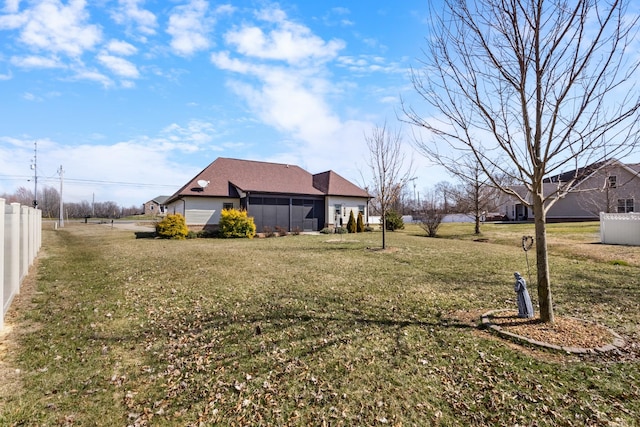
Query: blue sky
[[133, 98]]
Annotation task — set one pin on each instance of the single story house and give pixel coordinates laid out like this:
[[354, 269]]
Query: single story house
[[274, 194], [156, 206], [609, 186]]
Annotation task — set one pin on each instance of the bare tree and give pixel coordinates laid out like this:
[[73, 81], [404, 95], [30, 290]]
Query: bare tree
[[386, 161], [433, 209], [476, 194], [529, 88]]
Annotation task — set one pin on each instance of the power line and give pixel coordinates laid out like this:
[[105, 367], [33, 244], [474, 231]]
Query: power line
[[85, 181]]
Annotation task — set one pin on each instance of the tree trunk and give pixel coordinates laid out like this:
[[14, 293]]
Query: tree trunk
[[542, 261], [384, 230], [477, 224]]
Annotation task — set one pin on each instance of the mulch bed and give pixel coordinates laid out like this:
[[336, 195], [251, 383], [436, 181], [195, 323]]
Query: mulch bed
[[564, 332]]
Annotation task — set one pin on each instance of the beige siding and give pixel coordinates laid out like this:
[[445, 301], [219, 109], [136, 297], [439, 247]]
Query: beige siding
[[349, 204]]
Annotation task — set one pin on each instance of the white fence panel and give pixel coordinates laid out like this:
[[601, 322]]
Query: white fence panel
[[21, 236], [620, 228]]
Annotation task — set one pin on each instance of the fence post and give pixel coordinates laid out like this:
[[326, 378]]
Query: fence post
[[24, 241], [32, 236], [2, 305], [14, 250]]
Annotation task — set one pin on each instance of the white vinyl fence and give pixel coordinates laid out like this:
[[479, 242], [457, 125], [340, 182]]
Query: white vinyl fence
[[21, 231], [620, 228]]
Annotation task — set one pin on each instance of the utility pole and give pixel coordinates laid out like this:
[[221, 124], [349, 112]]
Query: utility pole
[[61, 172], [34, 166], [415, 200]]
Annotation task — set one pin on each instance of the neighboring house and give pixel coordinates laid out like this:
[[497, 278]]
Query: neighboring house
[[274, 194], [156, 206], [608, 186]]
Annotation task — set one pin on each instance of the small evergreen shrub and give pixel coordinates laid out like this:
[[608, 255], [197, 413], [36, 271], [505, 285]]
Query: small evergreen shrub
[[341, 230], [236, 223], [326, 230], [394, 221], [351, 224], [360, 223], [172, 226]]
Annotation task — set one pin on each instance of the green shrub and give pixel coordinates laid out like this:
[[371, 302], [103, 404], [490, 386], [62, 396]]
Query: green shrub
[[341, 230], [360, 223], [236, 223], [172, 226], [326, 230], [394, 221], [351, 224]]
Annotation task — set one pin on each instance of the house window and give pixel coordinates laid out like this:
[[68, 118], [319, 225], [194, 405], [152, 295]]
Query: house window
[[625, 205], [227, 206], [612, 181], [151, 207], [361, 209]]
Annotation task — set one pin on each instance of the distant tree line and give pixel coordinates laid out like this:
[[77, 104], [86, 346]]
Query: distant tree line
[[49, 203]]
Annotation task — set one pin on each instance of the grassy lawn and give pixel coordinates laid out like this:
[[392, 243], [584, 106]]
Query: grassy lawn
[[314, 330]]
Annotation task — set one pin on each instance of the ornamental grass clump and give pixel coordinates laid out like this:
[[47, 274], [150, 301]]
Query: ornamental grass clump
[[236, 223], [173, 226]]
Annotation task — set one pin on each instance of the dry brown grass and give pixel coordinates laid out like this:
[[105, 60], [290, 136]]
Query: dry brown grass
[[300, 331]]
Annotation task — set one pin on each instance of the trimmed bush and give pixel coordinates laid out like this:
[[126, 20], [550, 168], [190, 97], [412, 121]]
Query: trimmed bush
[[236, 223], [351, 224], [360, 223], [172, 226]]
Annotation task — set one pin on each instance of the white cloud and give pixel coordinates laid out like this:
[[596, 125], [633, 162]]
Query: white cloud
[[55, 27], [31, 97], [11, 6], [129, 12], [12, 21], [288, 41], [121, 48], [189, 28], [145, 161], [366, 64], [190, 138], [294, 94], [91, 75], [119, 66], [34, 61]]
